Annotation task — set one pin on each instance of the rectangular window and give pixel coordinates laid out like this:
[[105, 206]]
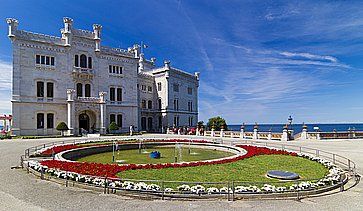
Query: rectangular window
[[52, 61], [42, 60], [50, 89], [113, 69], [112, 118], [190, 90], [47, 60], [50, 120], [176, 87], [149, 104], [143, 104], [40, 89], [160, 121], [76, 61], [112, 94], [120, 70], [117, 68], [176, 121], [119, 120], [40, 120], [37, 59], [159, 86], [143, 87], [109, 68], [119, 94], [176, 104]]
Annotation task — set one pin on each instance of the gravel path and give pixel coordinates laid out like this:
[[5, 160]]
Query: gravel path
[[22, 191]]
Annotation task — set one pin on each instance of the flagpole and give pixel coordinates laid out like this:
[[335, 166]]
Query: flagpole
[[142, 47]]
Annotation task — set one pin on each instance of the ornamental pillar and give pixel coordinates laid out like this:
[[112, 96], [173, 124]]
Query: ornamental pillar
[[70, 110], [242, 133], [269, 135], [222, 133], [304, 133], [212, 132], [103, 112], [255, 132], [285, 134]]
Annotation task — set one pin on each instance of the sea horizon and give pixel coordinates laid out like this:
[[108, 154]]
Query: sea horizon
[[278, 127]]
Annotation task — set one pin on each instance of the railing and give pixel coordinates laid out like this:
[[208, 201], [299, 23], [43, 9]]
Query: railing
[[247, 135], [89, 99], [82, 70], [231, 186], [335, 135]]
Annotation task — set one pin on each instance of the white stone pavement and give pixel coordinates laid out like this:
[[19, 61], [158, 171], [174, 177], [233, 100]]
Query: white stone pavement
[[21, 191]]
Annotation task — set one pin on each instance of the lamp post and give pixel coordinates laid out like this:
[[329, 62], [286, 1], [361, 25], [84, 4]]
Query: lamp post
[[289, 129], [113, 152]]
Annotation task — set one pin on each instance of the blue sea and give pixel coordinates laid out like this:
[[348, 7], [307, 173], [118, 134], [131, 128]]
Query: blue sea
[[298, 127]]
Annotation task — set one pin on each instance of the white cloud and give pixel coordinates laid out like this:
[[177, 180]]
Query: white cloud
[[5, 87], [5, 75], [310, 56]]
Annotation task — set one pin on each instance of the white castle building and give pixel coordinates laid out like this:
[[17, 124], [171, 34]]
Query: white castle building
[[77, 80]]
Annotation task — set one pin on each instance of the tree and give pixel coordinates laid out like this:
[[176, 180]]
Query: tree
[[62, 126], [113, 126], [217, 123]]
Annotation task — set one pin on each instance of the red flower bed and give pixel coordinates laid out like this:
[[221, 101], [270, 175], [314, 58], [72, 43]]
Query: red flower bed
[[110, 170], [57, 149]]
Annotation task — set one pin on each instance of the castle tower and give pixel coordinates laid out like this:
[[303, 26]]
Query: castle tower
[[97, 33], [13, 26], [67, 31]]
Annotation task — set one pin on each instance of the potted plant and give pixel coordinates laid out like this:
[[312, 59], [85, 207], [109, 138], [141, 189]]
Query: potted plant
[[113, 127], [62, 126]]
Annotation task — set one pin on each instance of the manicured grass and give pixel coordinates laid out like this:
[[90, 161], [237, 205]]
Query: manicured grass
[[167, 155], [252, 169]]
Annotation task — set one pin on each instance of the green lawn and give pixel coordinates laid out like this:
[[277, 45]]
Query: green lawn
[[167, 155], [252, 169]]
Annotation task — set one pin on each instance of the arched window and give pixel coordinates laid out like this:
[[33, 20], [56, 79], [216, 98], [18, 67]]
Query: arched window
[[150, 123], [112, 94], [40, 120], [40, 89], [149, 104], [90, 62], [119, 120], [112, 118], [76, 61], [119, 94], [50, 120], [159, 102], [79, 90], [83, 61], [143, 123], [87, 90]]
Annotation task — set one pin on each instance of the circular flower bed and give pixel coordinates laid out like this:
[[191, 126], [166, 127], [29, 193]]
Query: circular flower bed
[[105, 174]]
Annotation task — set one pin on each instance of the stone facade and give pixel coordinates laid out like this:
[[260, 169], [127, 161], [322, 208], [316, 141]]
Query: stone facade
[[77, 80]]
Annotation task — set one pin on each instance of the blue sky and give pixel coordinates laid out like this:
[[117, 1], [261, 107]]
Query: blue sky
[[260, 61]]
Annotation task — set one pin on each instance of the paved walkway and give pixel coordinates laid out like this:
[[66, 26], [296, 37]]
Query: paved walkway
[[20, 191]]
